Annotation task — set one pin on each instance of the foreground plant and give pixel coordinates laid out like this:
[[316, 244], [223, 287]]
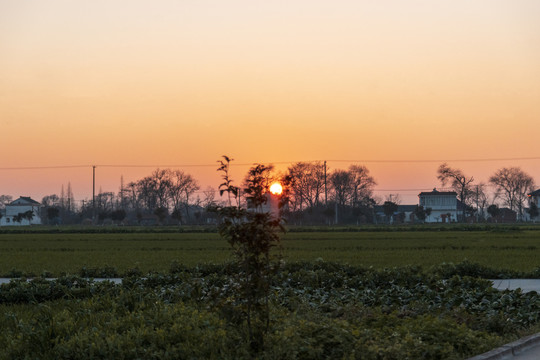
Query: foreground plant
[[252, 232]]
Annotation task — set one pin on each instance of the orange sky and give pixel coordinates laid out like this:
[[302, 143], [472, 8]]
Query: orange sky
[[183, 82]]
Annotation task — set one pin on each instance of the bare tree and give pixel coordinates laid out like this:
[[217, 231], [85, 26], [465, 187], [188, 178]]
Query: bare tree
[[190, 187], [209, 197], [70, 199], [165, 191], [393, 198], [342, 186], [459, 182], [62, 198], [481, 200], [145, 194], [512, 185], [179, 183], [50, 201], [162, 183], [123, 195], [307, 184], [105, 202], [4, 200], [362, 185], [133, 195]]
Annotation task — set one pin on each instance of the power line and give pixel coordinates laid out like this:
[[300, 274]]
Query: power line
[[425, 189], [441, 160], [205, 165], [45, 167], [269, 162], [156, 166]]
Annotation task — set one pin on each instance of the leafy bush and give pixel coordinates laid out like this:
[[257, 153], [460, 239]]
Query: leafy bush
[[467, 268], [105, 272], [318, 310]]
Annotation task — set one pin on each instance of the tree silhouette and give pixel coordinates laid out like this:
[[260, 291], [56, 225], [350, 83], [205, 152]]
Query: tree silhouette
[[513, 185], [389, 208], [460, 183], [494, 211]]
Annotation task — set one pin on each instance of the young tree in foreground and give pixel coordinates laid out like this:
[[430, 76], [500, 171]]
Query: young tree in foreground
[[251, 233], [233, 192]]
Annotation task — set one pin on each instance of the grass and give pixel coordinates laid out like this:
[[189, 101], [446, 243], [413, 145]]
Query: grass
[[34, 253], [519, 250]]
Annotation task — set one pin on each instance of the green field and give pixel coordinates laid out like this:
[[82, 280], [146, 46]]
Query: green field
[[35, 253], [336, 308]]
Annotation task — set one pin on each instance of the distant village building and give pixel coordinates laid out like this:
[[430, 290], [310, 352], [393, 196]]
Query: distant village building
[[20, 212], [270, 206], [403, 214], [444, 205], [534, 197], [505, 215]]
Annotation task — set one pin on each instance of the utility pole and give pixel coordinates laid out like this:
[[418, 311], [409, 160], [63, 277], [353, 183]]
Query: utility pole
[[477, 204], [325, 187], [122, 192], [93, 193]]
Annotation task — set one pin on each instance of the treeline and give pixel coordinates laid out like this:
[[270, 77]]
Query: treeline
[[170, 197], [164, 197], [316, 195], [511, 188]]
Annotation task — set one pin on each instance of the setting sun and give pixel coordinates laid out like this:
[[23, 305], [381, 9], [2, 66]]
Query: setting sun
[[276, 189]]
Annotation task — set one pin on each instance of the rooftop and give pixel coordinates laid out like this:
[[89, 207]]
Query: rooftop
[[24, 200], [436, 192], [535, 193]]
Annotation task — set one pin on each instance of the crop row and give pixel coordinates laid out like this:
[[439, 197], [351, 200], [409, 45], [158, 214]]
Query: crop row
[[319, 310], [78, 229], [57, 254]]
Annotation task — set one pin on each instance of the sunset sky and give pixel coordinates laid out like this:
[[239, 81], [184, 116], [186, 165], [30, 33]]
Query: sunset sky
[[110, 82]]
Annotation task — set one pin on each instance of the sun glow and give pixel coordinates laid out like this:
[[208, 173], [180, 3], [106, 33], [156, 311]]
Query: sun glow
[[276, 189]]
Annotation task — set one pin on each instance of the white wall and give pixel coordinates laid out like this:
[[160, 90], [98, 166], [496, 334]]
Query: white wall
[[14, 210]]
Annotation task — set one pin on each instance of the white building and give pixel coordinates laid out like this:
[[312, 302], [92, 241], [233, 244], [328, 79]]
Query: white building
[[270, 206], [534, 197], [444, 205], [17, 209]]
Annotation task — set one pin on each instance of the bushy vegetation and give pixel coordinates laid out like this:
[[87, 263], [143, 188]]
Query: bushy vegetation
[[319, 310], [367, 309]]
